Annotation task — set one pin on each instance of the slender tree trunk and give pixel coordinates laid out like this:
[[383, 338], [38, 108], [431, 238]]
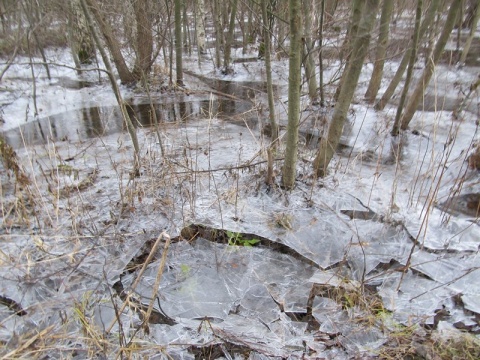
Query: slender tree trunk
[[329, 11], [113, 45], [329, 143], [428, 20], [346, 52], [471, 35], [116, 90], [294, 82], [282, 25], [376, 79], [422, 84], [320, 53], [229, 41], [200, 26], [29, 9], [83, 48], [406, 87], [218, 31], [268, 68], [357, 8], [461, 3], [470, 14], [144, 39], [308, 46], [178, 41], [250, 26]]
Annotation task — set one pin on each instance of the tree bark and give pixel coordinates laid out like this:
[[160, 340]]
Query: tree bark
[[218, 30], [144, 39], [116, 90], [268, 68], [428, 20], [200, 26], [329, 143], [82, 45], [294, 82], [356, 15], [229, 41], [308, 46], [376, 79], [126, 77], [346, 52], [406, 86], [320, 53], [471, 35], [178, 41], [422, 84]]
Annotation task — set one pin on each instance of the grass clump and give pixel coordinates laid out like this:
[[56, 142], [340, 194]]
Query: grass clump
[[465, 346]]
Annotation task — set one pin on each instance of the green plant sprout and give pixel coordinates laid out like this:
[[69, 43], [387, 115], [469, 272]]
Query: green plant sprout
[[236, 239]]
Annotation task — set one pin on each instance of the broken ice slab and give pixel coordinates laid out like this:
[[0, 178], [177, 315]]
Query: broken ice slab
[[417, 300], [472, 302], [457, 234], [257, 302], [209, 279], [254, 334], [376, 243], [296, 298]]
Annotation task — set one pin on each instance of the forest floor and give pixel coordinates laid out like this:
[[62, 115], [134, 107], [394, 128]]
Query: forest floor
[[199, 258]]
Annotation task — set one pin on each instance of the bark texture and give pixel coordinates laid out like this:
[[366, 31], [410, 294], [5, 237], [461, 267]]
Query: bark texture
[[329, 143], [268, 68], [471, 35], [113, 44], [178, 41], [144, 39], [294, 82], [414, 47], [227, 69], [422, 83], [82, 43], [428, 20], [200, 26], [376, 79]]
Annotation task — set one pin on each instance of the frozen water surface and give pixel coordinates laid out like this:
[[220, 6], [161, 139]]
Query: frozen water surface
[[338, 263]]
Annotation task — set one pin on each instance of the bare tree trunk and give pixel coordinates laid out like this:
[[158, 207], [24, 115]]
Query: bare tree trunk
[[82, 45], [357, 9], [320, 53], [406, 86], [113, 45], [308, 46], [471, 35], [187, 38], [29, 9], [376, 79], [218, 31], [329, 143], [178, 41], [268, 68], [282, 25], [472, 9], [294, 82], [116, 90], [229, 41], [346, 52], [428, 20], [200, 26], [329, 7], [422, 84], [144, 39], [461, 3]]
